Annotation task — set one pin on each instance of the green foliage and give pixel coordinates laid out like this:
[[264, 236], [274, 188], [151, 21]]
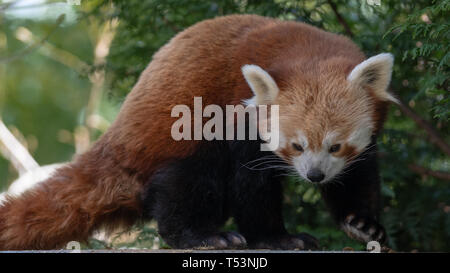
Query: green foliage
[[41, 96], [428, 31]]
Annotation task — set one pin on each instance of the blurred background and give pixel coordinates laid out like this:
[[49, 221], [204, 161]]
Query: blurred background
[[66, 67]]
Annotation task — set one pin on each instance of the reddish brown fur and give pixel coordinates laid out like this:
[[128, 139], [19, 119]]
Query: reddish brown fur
[[103, 185], [347, 151]]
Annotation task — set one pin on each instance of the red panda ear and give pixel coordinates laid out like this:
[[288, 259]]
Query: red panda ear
[[262, 84], [375, 73]]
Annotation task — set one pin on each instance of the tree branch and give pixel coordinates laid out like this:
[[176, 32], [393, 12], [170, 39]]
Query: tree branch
[[424, 171], [15, 152], [341, 19], [35, 45], [433, 135], [97, 78]]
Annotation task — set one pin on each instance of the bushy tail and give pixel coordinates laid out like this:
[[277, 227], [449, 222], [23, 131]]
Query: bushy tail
[[69, 206]]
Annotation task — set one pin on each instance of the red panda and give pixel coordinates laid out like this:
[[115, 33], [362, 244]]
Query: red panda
[[332, 103]]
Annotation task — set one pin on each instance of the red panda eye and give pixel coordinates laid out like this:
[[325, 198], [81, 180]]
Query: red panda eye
[[298, 147], [335, 148]]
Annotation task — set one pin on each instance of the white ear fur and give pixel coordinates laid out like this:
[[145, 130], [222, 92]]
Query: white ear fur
[[375, 72], [262, 85]]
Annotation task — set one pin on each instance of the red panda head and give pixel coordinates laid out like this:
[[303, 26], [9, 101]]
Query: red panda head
[[327, 115]]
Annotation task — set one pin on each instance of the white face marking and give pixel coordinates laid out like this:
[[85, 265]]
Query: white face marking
[[360, 137], [301, 139], [322, 160]]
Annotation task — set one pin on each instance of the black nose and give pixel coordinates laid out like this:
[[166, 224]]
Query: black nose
[[315, 175]]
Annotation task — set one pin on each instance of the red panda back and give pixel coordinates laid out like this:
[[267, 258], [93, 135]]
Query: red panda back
[[205, 60]]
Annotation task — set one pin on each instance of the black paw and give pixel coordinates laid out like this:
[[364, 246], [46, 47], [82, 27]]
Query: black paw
[[223, 240], [363, 229], [302, 241]]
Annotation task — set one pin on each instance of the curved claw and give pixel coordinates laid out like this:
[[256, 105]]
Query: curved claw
[[363, 228]]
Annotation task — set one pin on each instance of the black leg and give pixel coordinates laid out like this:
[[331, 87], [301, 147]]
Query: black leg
[[187, 199], [256, 200], [354, 198]]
